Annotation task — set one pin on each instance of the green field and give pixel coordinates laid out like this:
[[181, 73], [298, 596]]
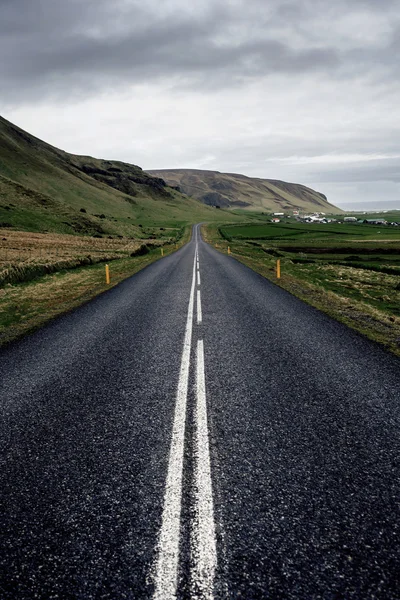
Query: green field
[[364, 246], [350, 271], [305, 232]]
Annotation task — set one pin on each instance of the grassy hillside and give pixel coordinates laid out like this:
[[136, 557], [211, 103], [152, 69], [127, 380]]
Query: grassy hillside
[[238, 191], [44, 188]]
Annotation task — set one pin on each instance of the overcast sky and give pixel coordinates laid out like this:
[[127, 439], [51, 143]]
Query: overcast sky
[[301, 90]]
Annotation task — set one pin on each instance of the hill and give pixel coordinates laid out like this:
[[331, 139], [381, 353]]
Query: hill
[[230, 190], [44, 188]]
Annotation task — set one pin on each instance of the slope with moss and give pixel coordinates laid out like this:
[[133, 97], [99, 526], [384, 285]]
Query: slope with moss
[[44, 188]]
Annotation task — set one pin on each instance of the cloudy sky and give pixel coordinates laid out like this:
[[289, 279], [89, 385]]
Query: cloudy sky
[[300, 90]]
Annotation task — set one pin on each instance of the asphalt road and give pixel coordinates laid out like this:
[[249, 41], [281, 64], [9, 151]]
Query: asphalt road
[[197, 432]]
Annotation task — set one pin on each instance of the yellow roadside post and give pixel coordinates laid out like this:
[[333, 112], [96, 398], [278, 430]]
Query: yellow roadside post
[[107, 275], [278, 268], [229, 250], [162, 251]]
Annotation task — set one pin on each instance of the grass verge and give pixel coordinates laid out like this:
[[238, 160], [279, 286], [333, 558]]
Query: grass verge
[[364, 300], [27, 306]]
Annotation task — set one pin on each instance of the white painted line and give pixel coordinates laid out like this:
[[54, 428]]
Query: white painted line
[[199, 313], [198, 277], [203, 542], [166, 566]]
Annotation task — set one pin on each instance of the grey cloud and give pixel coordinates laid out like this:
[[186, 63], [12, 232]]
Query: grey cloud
[[55, 51], [75, 45], [379, 170], [33, 19]]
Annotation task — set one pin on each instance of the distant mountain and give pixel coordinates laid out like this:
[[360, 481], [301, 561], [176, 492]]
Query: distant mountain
[[238, 191], [44, 188]]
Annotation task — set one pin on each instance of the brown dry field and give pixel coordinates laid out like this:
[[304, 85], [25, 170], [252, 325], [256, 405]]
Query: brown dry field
[[22, 247], [25, 306]]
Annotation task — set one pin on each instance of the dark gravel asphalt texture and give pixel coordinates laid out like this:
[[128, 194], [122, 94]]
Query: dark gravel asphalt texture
[[304, 439]]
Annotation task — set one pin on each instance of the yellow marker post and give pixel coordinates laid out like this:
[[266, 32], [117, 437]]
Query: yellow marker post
[[162, 251], [229, 250], [107, 274], [278, 268]]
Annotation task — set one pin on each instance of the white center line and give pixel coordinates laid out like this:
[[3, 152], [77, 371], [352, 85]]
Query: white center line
[[199, 313], [166, 567], [198, 277], [203, 542]]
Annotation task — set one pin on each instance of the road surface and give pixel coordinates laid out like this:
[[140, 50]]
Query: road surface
[[197, 432]]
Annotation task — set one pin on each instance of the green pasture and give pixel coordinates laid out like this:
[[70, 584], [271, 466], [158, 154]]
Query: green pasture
[[351, 272], [303, 233], [318, 252], [361, 246]]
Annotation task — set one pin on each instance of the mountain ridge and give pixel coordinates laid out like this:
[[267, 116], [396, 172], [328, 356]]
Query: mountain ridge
[[45, 188], [234, 190]]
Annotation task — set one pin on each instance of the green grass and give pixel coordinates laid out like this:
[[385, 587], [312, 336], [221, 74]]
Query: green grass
[[43, 188], [313, 246], [355, 279], [310, 232]]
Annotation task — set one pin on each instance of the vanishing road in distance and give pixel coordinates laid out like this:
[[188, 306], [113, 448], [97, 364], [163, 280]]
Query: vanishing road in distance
[[198, 432]]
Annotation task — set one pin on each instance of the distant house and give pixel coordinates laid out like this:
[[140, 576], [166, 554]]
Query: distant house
[[375, 221], [279, 214], [275, 220], [350, 219], [314, 219]]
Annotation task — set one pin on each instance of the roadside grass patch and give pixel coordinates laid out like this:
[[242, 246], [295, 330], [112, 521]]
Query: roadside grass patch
[[25, 256], [364, 294], [26, 306]]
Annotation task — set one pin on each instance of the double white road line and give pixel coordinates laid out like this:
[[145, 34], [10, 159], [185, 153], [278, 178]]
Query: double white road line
[[202, 529]]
